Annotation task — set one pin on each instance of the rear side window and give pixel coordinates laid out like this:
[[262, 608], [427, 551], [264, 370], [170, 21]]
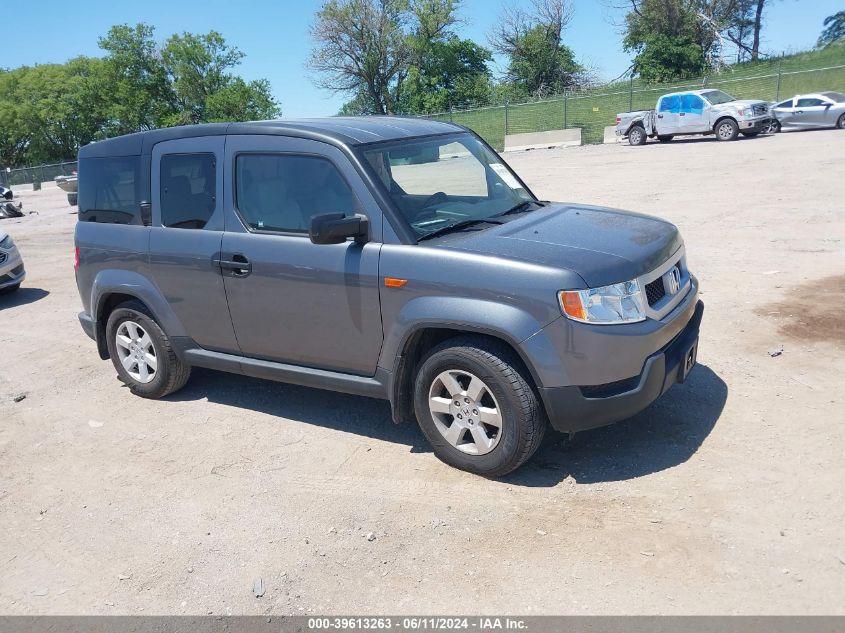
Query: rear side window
[[109, 190], [188, 185], [670, 104], [282, 192]]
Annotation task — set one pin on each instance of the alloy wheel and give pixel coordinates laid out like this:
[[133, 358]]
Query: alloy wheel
[[136, 351], [465, 412]]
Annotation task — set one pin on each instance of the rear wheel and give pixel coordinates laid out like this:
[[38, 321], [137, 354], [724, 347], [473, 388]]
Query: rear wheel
[[841, 122], [637, 135], [727, 130], [142, 354], [477, 408], [665, 138]]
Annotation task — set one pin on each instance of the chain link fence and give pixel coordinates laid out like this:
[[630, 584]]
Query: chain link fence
[[593, 110], [37, 174]]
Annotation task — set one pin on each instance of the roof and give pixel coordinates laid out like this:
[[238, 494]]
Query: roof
[[357, 130]]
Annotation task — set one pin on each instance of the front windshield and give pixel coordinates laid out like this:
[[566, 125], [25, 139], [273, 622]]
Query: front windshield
[[715, 97], [439, 182]]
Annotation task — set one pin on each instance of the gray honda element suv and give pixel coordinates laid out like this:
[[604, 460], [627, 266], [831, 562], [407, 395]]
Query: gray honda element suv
[[388, 257]]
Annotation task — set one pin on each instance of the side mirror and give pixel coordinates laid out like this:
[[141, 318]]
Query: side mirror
[[336, 228]]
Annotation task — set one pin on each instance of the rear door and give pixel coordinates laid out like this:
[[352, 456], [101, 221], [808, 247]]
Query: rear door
[[667, 122], [292, 301], [692, 118], [187, 228]]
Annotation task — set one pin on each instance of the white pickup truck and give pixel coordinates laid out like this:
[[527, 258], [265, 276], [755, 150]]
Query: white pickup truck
[[694, 112]]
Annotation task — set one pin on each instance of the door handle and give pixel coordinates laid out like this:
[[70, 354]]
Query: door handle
[[659, 116], [682, 114], [239, 265], [800, 112]]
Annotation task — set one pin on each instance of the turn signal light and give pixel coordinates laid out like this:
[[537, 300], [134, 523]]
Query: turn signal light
[[393, 282], [570, 301]]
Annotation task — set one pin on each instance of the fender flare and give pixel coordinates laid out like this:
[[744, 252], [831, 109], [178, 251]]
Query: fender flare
[[124, 282]]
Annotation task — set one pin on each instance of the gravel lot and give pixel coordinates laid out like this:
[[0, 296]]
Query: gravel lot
[[726, 496]]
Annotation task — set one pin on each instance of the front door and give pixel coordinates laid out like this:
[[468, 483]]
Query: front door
[[810, 111], [293, 301], [187, 228]]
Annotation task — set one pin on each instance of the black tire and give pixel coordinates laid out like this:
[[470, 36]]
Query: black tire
[[9, 289], [171, 374], [665, 138], [841, 122], [773, 127], [726, 130], [72, 199], [523, 419], [751, 134], [637, 135]]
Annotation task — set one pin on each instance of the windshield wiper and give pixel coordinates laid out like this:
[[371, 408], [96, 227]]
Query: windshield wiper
[[520, 208], [459, 225]]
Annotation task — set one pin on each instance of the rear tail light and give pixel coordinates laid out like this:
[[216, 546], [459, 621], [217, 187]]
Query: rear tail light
[[76, 258], [618, 120]]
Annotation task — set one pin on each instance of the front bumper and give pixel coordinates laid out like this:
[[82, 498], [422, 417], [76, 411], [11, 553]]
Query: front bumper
[[572, 409], [754, 125], [12, 271]]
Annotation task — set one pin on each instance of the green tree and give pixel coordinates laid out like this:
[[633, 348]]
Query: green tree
[[539, 63], [361, 47], [666, 37], [834, 29], [140, 93]]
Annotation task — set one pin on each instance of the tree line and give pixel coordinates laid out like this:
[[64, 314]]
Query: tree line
[[48, 111], [387, 56], [407, 56]]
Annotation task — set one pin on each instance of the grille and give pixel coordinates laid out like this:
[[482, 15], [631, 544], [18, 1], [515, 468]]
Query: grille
[[2, 257], [759, 108], [655, 291]]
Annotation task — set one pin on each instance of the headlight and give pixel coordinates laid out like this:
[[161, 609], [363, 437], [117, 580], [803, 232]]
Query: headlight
[[7, 242], [617, 303]]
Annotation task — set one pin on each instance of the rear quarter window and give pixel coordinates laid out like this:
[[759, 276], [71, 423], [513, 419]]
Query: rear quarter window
[[109, 190]]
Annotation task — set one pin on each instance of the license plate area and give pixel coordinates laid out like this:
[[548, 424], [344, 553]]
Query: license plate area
[[688, 360]]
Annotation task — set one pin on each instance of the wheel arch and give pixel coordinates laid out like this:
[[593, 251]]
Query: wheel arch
[[424, 337], [722, 118], [112, 288]]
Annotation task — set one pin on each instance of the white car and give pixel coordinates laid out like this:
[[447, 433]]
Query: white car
[[12, 272]]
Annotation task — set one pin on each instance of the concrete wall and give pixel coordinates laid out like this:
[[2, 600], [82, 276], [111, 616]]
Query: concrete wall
[[610, 134], [543, 140]]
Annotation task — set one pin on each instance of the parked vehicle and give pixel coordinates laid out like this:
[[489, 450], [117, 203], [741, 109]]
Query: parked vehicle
[[432, 278], [819, 109], [10, 209], [68, 185], [694, 112], [12, 271]]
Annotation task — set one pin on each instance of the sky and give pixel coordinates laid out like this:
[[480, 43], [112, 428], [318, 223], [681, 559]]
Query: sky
[[274, 35]]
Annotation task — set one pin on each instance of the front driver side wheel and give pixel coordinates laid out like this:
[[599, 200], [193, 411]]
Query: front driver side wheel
[[476, 406], [142, 354]]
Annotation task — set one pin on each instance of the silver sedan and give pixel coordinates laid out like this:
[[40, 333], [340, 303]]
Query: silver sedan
[[819, 109]]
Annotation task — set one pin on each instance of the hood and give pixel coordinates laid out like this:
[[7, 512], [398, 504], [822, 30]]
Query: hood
[[740, 103], [603, 246]]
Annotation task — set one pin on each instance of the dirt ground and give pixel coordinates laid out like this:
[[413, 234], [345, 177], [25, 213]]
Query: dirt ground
[[726, 496]]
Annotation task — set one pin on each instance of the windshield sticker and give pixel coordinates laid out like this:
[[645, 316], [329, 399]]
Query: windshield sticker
[[505, 175]]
